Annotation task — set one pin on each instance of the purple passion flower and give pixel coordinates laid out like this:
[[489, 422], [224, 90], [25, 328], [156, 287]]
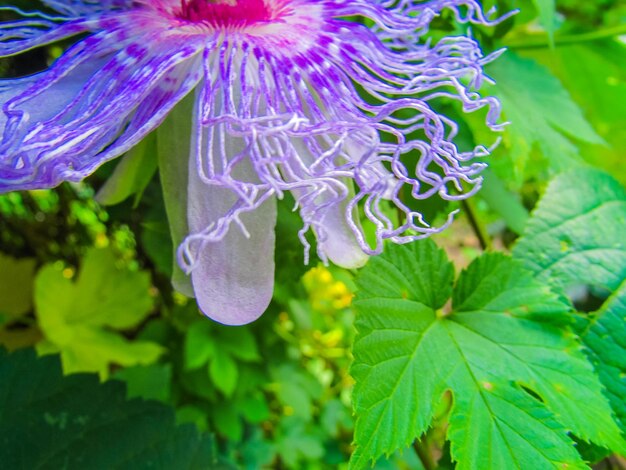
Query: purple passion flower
[[331, 100]]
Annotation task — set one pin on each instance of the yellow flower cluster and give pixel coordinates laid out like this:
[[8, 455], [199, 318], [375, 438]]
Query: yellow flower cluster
[[326, 293]]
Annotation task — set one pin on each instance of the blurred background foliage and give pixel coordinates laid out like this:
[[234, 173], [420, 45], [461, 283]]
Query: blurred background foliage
[[85, 268]]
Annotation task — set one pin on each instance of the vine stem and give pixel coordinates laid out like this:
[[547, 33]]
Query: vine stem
[[569, 39], [424, 455], [477, 226]]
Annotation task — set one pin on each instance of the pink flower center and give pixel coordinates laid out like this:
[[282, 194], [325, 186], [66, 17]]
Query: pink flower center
[[227, 13]]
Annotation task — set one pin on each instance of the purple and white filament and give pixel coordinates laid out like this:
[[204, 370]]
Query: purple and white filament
[[289, 95]]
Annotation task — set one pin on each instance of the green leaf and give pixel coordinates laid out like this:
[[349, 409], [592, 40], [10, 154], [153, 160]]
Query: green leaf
[[199, 345], [254, 408], [204, 337], [132, 174], [238, 342], [257, 451], [77, 317], [296, 390], [547, 16], [16, 285], [192, 414], [295, 442], [335, 416], [576, 233], [595, 76], [503, 335], [173, 150], [541, 113], [228, 423], [51, 421], [224, 372], [147, 382], [157, 243], [605, 338], [503, 202]]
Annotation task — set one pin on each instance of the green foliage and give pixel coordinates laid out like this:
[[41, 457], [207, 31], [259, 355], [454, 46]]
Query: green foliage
[[75, 316], [152, 382], [506, 204], [173, 147], [603, 333], [492, 369], [542, 114], [596, 78], [504, 334], [51, 421], [547, 15], [581, 242], [220, 347]]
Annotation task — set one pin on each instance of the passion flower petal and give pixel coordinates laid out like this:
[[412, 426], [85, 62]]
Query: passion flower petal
[[334, 101]]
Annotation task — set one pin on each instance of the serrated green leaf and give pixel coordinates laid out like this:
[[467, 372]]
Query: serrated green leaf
[[132, 174], [541, 113], [504, 334], [77, 422], [605, 338], [576, 234], [431, 283], [77, 317], [494, 284]]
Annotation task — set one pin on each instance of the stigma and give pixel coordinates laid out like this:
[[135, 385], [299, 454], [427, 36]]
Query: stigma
[[228, 13]]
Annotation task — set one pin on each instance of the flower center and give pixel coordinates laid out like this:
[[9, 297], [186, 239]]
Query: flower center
[[226, 13]]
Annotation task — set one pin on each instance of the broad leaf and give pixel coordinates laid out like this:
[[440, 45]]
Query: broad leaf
[[605, 338], [541, 113], [576, 234], [595, 76], [503, 334], [76, 317], [547, 15], [51, 421]]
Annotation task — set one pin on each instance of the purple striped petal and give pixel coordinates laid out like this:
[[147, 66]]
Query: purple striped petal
[[114, 93]]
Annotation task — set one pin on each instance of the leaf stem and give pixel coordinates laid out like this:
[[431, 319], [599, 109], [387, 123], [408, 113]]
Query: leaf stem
[[424, 455], [479, 229], [568, 38]]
